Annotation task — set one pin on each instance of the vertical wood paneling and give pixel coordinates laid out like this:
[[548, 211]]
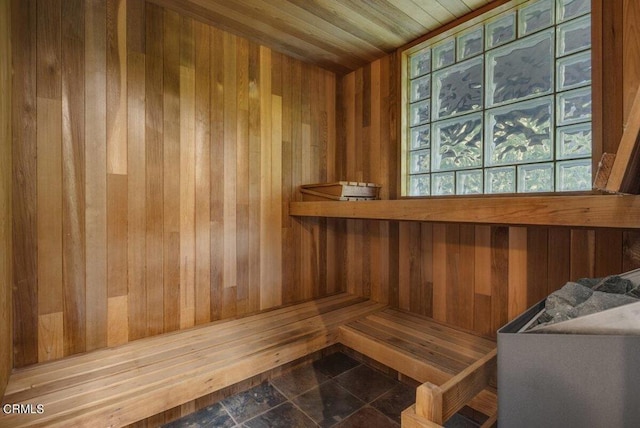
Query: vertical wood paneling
[[517, 282], [171, 170], [24, 172], [96, 175], [217, 173], [6, 250], [117, 199], [439, 271], [49, 188], [537, 264], [608, 252], [630, 250], [202, 174], [50, 336], [499, 277], [48, 48], [242, 175], [49, 180], [230, 156], [117, 235], [178, 147], [154, 147], [267, 292], [116, 86], [73, 172], [255, 188], [582, 253], [187, 176], [136, 200]]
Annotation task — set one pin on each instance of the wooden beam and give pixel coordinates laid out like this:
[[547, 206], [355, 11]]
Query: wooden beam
[[624, 177], [618, 211]]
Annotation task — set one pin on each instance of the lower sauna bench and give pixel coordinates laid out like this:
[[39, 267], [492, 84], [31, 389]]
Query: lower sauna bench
[[454, 366], [118, 386]]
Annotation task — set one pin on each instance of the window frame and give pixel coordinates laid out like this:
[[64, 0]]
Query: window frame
[[475, 19]]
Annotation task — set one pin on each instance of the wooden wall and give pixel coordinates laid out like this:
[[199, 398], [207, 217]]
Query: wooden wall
[[475, 277], [154, 157], [5, 195]]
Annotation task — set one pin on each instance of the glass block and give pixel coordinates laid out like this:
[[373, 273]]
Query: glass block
[[520, 133], [470, 44], [520, 70], [574, 36], [420, 63], [420, 113], [500, 180], [469, 182], [421, 88], [457, 143], [573, 175], [444, 54], [419, 161], [419, 185], [569, 9], [535, 178], [420, 137], [535, 17], [574, 71], [458, 89], [574, 106], [500, 31], [443, 183], [574, 141]]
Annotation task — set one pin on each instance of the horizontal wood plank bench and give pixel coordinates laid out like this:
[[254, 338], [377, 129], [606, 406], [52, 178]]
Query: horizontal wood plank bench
[[443, 358], [118, 386]]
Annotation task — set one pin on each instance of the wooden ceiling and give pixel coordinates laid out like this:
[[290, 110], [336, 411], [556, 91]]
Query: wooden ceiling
[[339, 35]]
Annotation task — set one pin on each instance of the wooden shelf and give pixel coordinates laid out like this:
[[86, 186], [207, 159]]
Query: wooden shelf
[[616, 211]]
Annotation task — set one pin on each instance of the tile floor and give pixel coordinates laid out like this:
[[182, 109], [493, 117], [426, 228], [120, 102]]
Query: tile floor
[[335, 391]]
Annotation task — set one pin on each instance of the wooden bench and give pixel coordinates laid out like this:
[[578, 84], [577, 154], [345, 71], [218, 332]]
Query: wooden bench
[[454, 365], [118, 386]]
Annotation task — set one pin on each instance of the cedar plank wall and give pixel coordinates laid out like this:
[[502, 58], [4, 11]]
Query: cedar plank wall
[[473, 276], [5, 195], [155, 157]]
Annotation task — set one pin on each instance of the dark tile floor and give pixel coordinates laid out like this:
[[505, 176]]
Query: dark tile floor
[[335, 391]]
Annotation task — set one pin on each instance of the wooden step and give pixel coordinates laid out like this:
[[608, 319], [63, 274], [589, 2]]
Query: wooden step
[[420, 348]]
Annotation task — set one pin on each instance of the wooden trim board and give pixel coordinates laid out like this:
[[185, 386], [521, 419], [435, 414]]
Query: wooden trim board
[[617, 211]]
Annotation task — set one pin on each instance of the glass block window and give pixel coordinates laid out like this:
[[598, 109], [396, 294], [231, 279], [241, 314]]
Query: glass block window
[[503, 106]]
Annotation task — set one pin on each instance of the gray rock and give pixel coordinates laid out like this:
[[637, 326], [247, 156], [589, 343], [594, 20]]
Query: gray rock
[[614, 284], [587, 296], [600, 301], [589, 282]]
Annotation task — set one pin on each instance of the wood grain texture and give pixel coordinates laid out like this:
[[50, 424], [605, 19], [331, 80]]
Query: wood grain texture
[[24, 174], [116, 86], [338, 36], [241, 98], [479, 278], [49, 188], [609, 211], [6, 248], [96, 175], [167, 313], [73, 173], [144, 152]]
